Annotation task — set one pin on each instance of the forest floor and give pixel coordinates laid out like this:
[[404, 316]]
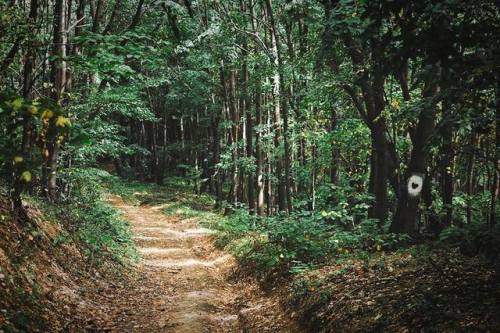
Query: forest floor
[[183, 283]]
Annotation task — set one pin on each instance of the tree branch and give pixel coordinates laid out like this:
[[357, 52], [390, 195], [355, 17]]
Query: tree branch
[[357, 102]]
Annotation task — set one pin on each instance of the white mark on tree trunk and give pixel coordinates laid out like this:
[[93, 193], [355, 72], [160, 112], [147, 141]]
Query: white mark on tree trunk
[[415, 184]]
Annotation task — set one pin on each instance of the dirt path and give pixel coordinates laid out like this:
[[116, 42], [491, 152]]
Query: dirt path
[[181, 285]]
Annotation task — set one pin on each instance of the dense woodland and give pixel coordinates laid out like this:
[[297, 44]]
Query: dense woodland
[[349, 113], [288, 106]]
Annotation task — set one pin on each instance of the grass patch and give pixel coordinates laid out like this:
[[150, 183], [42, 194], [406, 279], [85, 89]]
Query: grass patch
[[175, 196]]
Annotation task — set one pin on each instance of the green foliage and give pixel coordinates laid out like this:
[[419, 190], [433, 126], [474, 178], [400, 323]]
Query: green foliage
[[474, 239], [343, 204], [299, 241], [131, 191], [98, 131], [18, 115], [97, 224], [112, 55]]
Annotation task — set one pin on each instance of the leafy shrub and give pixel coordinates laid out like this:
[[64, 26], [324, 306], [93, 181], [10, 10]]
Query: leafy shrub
[[97, 224], [474, 239], [104, 233], [366, 236], [298, 241]]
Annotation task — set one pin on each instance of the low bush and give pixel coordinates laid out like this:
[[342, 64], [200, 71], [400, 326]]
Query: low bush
[[96, 223], [298, 241], [474, 239]]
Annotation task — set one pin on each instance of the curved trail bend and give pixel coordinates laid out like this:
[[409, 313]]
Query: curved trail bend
[[181, 284]]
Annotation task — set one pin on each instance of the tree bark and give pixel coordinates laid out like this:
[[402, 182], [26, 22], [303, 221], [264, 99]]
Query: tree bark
[[248, 131], [259, 155], [233, 140], [28, 128], [334, 168], [278, 108], [58, 78], [469, 184], [447, 154], [495, 187], [407, 209]]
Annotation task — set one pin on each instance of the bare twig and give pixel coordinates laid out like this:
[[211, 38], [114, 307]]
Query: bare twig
[[71, 27]]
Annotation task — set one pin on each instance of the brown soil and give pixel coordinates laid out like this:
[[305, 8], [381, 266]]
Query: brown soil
[[182, 284]]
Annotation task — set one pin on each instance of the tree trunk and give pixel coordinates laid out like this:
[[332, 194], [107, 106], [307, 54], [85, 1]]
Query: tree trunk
[[28, 128], [278, 103], [379, 171], [259, 155], [406, 212], [249, 133], [58, 78], [447, 156], [233, 141], [216, 178], [495, 187], [334, 168], [469, 184]]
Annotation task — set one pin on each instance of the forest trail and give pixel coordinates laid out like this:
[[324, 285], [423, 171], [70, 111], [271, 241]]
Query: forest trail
[[181, 284]]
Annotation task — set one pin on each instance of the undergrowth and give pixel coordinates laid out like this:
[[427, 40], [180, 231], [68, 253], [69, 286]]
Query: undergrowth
[[294, 243], [298, 241], [94, 222]]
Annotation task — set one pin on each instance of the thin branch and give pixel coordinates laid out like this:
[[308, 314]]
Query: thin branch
[[357, 103], [9, 58], [253, 34], [71, 27]]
